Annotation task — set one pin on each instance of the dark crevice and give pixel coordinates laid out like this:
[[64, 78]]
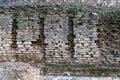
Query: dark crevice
[[70, 38], [41, 36], [14, 32], [14, 35]]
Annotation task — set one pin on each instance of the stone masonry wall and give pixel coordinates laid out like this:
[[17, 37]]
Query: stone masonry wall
[[6, 50], [56, 45], [56, 31], [109, 41], [47, 37], [86, 50], [28, 44]]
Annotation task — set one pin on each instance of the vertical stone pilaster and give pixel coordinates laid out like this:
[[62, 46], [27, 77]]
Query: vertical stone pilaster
[[56, 31], [86, 50], [28, 43], [6, 51]]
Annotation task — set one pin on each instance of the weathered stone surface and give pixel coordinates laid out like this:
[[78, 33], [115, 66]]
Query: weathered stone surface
[[18, 71], [56, 31], [109, 41], [85, 36], [76, 78], [6, 51], [28, 37]]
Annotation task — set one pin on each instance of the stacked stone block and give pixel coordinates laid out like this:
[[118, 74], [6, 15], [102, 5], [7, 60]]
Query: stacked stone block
[[55, 32], [6, 51], [28, 48], [85, 48]]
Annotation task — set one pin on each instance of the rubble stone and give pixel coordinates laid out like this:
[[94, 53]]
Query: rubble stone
[[18, 71]]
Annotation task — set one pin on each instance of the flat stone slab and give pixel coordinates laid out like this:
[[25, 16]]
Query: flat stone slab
[[76, 78]]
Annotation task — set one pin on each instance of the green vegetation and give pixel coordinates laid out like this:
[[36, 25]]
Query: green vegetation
[[78, 69], [66, 66], [105, 12], [113, 15]]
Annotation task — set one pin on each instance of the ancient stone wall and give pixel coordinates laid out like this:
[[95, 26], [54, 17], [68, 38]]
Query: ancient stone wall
[[55, 32], [55, 37], [56, 46], [27, 38], [109, 42], [6, 50], [85, 32]]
